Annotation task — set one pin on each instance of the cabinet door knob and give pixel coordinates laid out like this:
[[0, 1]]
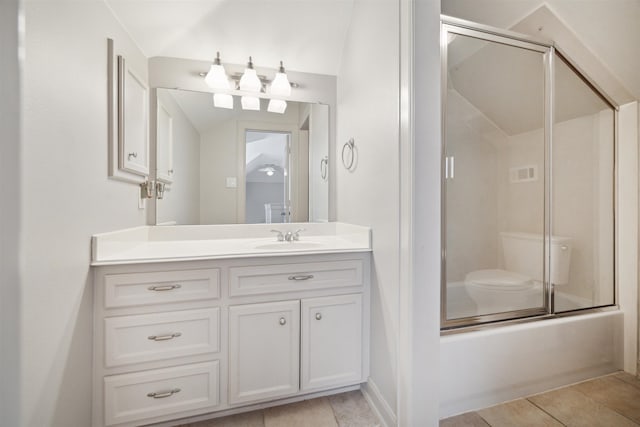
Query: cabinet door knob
[[283, 321], [163, 394], [318, 316]]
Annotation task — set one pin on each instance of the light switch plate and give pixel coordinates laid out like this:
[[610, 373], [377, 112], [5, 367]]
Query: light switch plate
[[232, 182]]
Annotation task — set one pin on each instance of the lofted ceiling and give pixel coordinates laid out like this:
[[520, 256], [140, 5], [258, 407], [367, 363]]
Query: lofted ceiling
[[608, 29], [308, 35]]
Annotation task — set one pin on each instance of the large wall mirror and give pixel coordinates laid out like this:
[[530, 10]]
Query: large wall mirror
[[230, 166]]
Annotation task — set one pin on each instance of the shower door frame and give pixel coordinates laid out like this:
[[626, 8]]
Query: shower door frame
[[549, 51]]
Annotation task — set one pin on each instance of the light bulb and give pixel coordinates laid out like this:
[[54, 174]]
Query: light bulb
[[277, 106], [217, 77], [280, 85], [223, 100], [250, 103], [270, 172], [249, 81]]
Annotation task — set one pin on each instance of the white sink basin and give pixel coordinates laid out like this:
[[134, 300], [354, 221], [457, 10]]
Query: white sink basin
[[289, 246]]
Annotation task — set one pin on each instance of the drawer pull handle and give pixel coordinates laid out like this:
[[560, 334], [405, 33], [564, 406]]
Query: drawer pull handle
[[164, 287], [164, 337], [283, 321], [318, 316], [163, 394], [301, 277]]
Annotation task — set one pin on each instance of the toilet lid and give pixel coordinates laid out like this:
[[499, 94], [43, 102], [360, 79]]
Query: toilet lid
[[499, 279]]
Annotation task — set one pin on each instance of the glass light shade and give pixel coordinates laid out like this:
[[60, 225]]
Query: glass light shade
[[250, 103], [223, 100], [249, 81], [277, 106], [217, 78], [280, 85]]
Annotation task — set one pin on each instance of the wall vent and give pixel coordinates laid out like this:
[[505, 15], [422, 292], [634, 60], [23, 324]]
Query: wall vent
[[523, 173]]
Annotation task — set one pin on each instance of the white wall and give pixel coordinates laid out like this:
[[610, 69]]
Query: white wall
[[10, 221], [367, 107], [627, 222], [181, 202], [67, 197], [420, 95]]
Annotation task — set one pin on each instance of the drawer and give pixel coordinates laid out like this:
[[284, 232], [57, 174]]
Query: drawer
[[149, 394], [158, 336], [264, 279], [159, 287]]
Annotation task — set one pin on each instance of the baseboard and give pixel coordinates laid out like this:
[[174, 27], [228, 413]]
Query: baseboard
[[378, 404]]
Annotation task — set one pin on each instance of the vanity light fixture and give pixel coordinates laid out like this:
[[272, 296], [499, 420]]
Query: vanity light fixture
[[250, 103], [217, 77], [223, 100], [280, 85], [250, 82], [277, 106]]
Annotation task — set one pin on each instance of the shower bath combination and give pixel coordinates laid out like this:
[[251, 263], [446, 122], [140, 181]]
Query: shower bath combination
[[528, 180]]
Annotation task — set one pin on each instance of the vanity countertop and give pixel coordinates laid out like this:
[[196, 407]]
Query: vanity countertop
[[200, 242]]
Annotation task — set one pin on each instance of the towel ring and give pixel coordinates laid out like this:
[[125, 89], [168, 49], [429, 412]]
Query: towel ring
[[348, 147]]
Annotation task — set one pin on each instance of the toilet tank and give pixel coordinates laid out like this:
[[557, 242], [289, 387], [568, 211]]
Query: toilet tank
[[522, 253]]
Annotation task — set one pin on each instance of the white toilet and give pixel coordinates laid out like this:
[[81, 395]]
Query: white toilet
[[519, 285]]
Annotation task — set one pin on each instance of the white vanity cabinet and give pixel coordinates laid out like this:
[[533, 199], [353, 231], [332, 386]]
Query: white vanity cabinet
[[179, 339]]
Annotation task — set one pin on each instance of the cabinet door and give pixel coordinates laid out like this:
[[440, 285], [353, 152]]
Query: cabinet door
[[331, 341], [134, 121], [264, 348]]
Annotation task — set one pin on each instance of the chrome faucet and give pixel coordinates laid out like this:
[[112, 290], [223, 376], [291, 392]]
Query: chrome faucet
[[289, 236]]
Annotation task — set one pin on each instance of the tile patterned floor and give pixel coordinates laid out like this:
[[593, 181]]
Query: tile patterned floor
[[611, 401], [340, 410]]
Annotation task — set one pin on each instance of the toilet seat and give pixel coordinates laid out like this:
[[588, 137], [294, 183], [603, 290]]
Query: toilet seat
[[499, 280]]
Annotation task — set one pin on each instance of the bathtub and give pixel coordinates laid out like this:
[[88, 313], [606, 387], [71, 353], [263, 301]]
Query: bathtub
[[486, 367]]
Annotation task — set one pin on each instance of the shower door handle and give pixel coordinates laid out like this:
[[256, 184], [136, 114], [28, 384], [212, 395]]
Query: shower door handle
[[449, 167]]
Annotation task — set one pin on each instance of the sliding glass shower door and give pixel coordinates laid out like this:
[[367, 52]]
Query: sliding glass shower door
[[527, 181]]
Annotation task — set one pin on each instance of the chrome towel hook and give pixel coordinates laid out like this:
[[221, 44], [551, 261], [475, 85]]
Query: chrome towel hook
[[348, 153]]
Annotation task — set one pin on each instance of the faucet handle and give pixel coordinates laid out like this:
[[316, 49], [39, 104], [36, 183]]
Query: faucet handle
[[280, 236], [296, 235]]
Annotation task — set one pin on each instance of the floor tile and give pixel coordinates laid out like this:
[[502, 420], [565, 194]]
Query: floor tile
[[352, 410], [470, 419], [521, 413], [614, 393], [573, 408], [308, 413], [628, 378], [248, 419]]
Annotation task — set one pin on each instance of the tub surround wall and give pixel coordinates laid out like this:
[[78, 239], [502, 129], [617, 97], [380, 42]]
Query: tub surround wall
[[10, 220], [67, 198], [472, 240], [484, 154]]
